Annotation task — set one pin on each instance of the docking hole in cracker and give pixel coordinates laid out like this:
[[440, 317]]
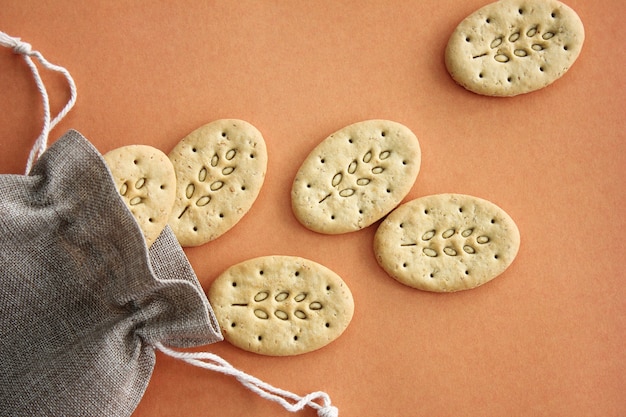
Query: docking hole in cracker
[[513, 47], [220, 169], [145, 179], [446, 242], [281, 305], [355, 176]]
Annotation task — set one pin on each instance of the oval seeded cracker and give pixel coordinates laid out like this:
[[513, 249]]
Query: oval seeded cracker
[[281, 305], [513, 47], [220, 169], [144, 177], [355, 176], [446, 242]]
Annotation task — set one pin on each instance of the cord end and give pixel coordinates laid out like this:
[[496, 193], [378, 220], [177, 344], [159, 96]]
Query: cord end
[[328, 411], [19, 47]]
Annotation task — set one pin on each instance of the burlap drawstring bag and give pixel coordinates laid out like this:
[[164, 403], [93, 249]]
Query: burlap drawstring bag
[[84, 303]]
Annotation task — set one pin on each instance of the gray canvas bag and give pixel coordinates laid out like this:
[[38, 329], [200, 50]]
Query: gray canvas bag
[[83, 300], [84, 303]]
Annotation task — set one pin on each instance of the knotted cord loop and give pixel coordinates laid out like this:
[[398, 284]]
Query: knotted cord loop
[[25, 50], [290, 401]]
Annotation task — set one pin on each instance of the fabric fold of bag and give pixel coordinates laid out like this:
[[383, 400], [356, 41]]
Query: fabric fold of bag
[[83, 301]]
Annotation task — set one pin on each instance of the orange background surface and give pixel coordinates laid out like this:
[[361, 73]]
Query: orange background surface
[[546, 338]]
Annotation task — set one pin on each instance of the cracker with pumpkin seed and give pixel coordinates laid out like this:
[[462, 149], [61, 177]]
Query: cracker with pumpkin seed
[[512, 47], [446, 242], [281, 305], [355, 176], [220, 168], [145, 179]]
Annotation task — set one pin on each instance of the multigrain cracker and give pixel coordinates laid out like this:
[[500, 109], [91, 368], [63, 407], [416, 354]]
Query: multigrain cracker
[[446, 242], [513, 47], [281, 305], [144, 177], [355, 176], [220, 169]]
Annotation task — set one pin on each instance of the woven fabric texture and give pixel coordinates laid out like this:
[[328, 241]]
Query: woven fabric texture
[[82, 299]]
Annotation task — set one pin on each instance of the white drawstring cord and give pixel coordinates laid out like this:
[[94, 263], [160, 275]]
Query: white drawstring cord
[[290, 401], [25, 49]]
